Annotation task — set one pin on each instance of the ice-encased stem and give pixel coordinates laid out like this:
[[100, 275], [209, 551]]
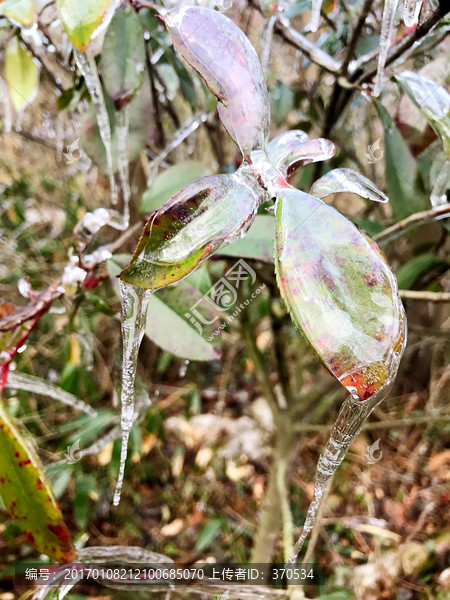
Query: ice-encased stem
[[88, 67], [122, 124], [441, 185], [266, 42], [315, 17], [411, 10], [134, 311], [349, 422], [386, 37]]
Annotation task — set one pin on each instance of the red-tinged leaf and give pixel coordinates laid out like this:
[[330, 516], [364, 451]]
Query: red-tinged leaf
[[227, 61], [194, 223], [28, 497], [39, 303], [340, 292]]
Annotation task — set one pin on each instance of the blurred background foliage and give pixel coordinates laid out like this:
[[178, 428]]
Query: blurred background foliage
[[201, 481]]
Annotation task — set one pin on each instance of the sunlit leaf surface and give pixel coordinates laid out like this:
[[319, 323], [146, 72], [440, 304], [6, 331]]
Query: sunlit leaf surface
[[340, 291], [81, 19], [22, 74], [28, 497], [21, 11], [195, 222], [224, 57]]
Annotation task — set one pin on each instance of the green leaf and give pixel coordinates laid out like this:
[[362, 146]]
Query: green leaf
[[404, 193], [123, 56], [84, 484], [208, 534], [81, 19], [257, 244], [170, 328], [21, 11], [432, 100], [22, 74], [281, 103], [410, 271], [28, 496], [194, 223], [170, 181], [339, 291]]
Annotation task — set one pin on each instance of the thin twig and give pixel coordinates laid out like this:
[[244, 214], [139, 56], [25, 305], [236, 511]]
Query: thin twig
[[419, 218], [427, 296]]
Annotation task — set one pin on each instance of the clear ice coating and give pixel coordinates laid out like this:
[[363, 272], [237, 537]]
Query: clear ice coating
[[292, 149], [388, 29], [228, 63], [315, 17], [87, 65], [339, 290], [347, 180], [195, 222], [338, 287], [134, 311], [411, 10]]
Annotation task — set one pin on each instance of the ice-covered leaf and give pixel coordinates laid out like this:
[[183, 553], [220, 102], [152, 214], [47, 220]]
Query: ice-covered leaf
[[194, 223], [180, 321], [22, 74], [167, 183], [21, 11], [28, 497], [226, 60], [347, 180], [292, 149], [123, 56], [257, 244], [339, 290], [81, 19], [432, 100], [404, 194]]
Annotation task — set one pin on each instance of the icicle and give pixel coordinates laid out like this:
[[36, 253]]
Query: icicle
[[387, 35], [122, 121], [86, 64], [134, 310], [266, 42], [411, 10], [315, 17], [349, 422]]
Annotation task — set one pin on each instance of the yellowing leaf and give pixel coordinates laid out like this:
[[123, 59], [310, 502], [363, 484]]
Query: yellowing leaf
[[28, 497], [21, 11], [22, 74], [81, 19]]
